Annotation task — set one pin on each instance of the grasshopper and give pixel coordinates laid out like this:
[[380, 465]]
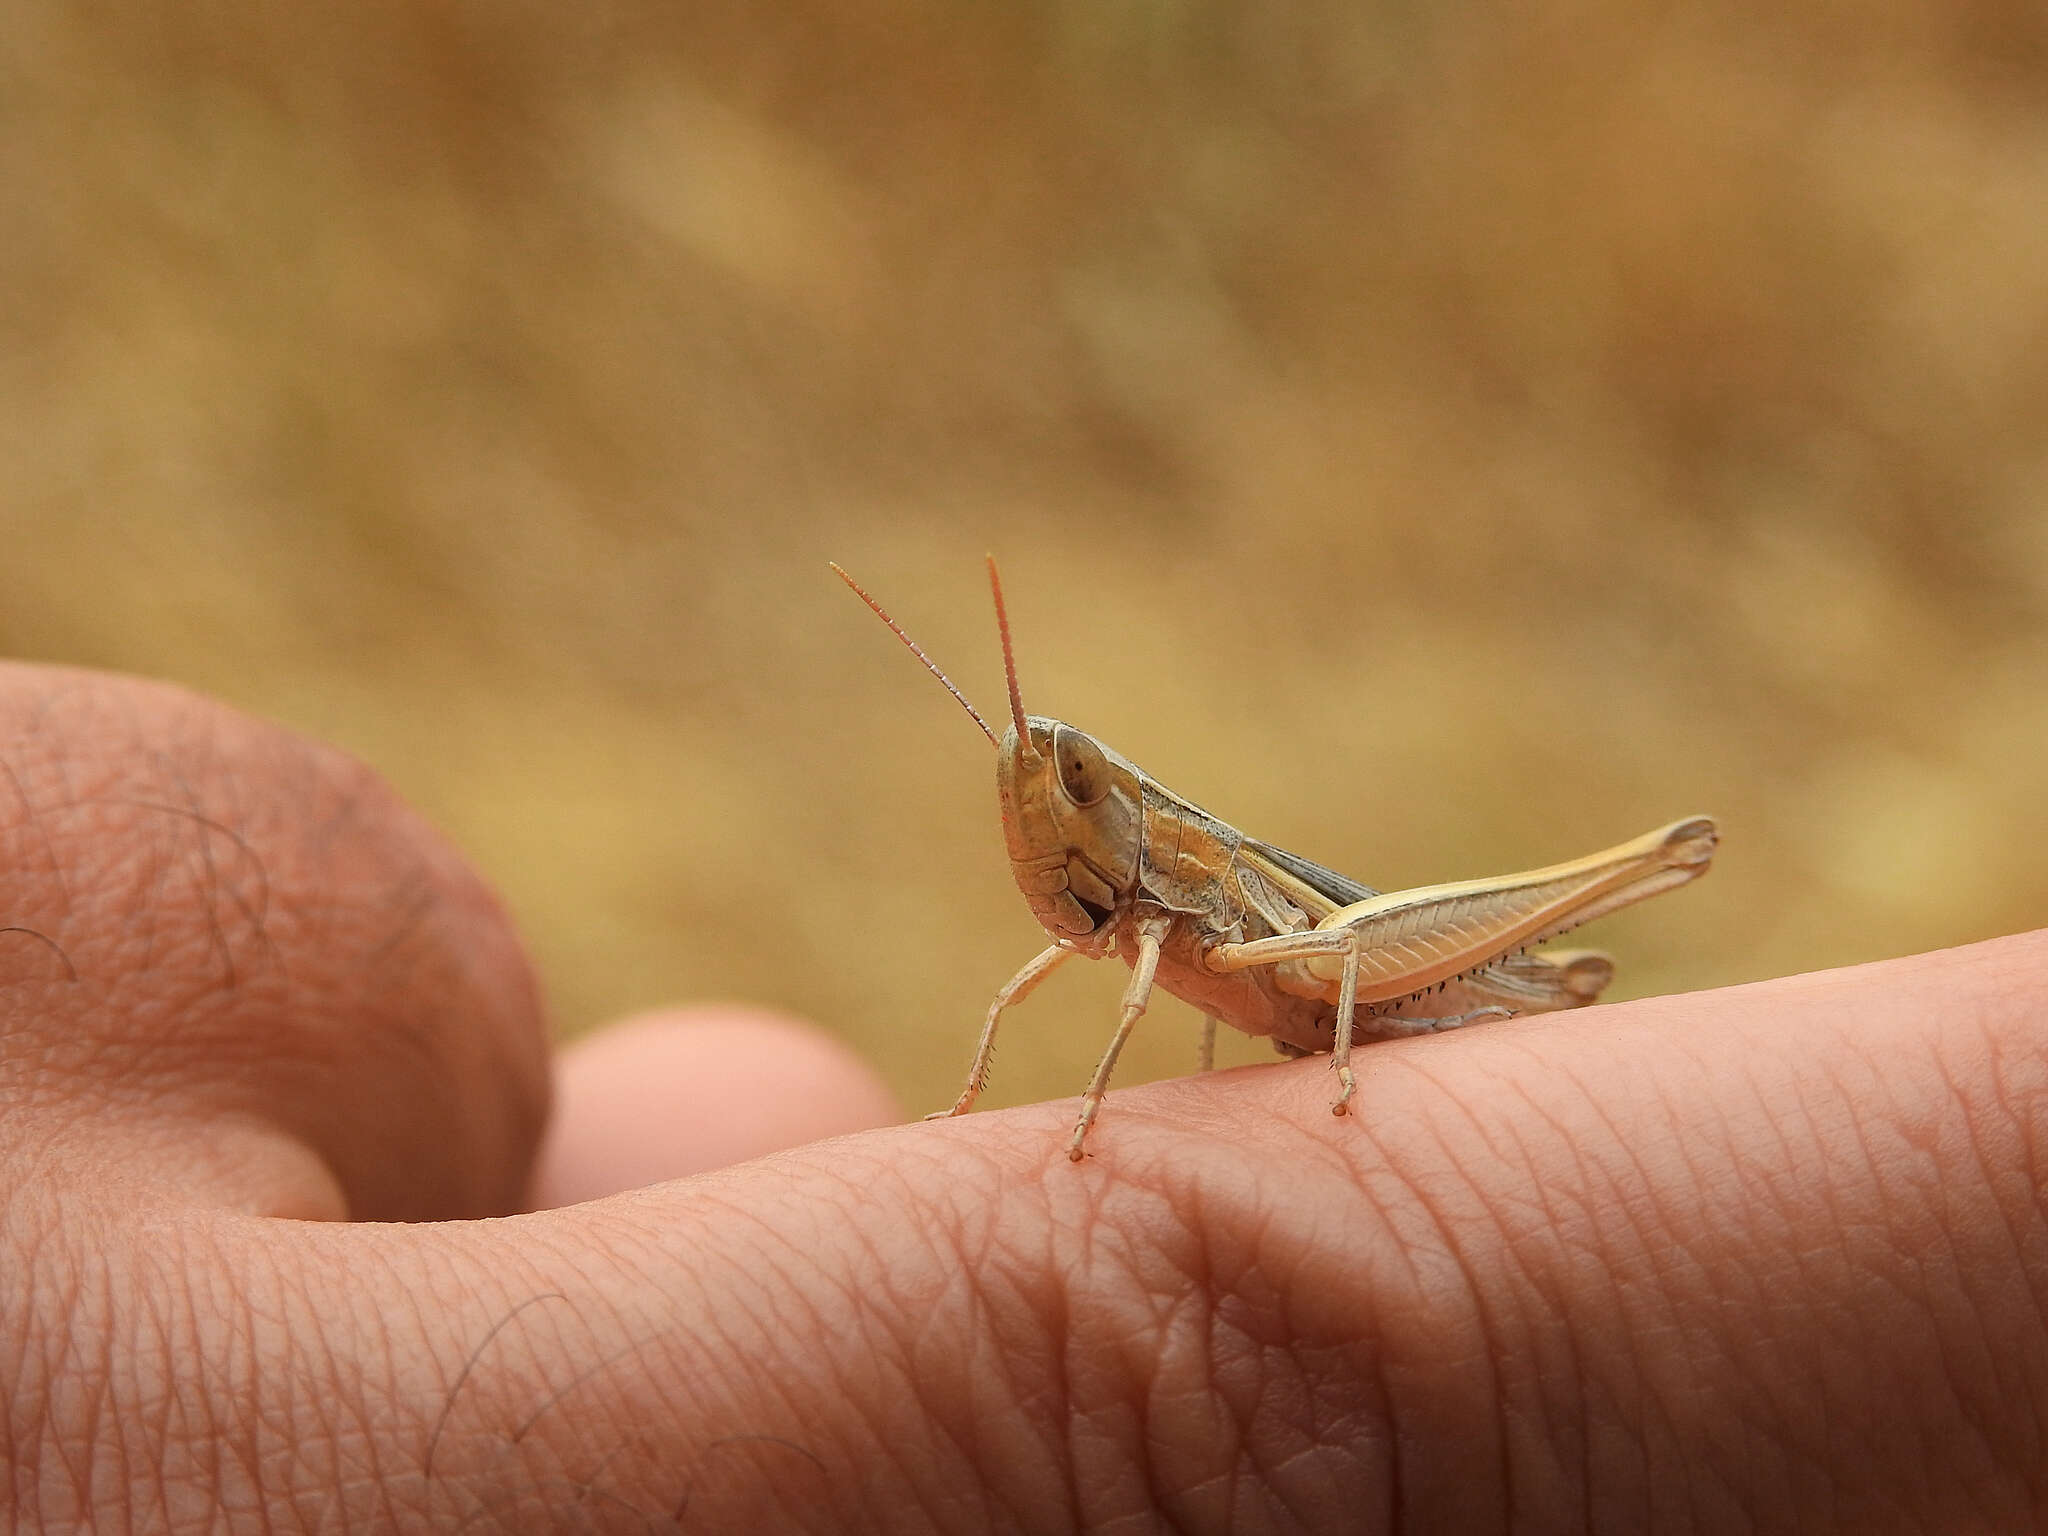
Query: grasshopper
[[1112, 862]]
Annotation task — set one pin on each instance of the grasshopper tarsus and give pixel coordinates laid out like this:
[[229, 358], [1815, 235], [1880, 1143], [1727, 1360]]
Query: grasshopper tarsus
[[1348, 1081]]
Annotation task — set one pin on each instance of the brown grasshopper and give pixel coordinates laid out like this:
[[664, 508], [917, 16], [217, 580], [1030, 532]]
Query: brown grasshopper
[[1114, 863]]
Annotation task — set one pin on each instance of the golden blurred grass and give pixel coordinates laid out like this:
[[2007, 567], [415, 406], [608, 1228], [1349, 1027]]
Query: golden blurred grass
[[1437, 439]]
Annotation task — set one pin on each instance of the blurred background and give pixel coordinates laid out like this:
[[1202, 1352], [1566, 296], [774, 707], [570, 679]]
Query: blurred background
[[1439, 439]]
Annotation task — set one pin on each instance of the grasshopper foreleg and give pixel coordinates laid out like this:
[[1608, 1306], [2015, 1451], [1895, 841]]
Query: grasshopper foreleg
[[1015, 990], [1151, 934], [1208, 1057]]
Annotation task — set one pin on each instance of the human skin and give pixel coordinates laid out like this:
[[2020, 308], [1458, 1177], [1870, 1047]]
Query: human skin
[[1766, 1258]]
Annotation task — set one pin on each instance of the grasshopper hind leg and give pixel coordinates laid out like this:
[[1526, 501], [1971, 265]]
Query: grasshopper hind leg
[[1395, 1026]]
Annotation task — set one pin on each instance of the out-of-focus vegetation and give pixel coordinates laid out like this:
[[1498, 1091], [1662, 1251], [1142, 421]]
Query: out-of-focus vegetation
[[1437, 438]]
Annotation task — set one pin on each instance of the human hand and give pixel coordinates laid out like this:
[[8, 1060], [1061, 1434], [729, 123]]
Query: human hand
[[1768, 1257]]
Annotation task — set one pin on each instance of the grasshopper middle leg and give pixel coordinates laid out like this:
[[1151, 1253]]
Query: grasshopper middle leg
[[1347, 1014]]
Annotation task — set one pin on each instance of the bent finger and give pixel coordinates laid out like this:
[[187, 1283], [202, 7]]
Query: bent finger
[[237, 964], [681, 1091]]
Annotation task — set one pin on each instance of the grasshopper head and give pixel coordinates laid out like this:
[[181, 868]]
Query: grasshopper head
[[1072, 813]]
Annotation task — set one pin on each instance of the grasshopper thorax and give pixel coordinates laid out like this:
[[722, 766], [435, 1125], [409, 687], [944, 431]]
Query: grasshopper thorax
[[1072, 814]]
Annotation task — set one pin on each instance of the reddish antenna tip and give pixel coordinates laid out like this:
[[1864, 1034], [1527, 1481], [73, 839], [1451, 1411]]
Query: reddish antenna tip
[[916, 650], [995, 586]]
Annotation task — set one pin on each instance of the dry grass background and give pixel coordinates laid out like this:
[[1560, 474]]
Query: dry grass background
[[1437, 438]]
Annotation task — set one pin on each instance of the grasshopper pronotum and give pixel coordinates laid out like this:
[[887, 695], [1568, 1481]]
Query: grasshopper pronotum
[[1114, 863]]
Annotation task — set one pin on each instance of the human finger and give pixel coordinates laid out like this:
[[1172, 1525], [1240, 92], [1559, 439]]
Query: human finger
[[682, 1090]]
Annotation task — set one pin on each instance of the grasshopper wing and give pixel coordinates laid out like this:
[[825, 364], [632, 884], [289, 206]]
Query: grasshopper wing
[[1318, 891], [1417, 938]]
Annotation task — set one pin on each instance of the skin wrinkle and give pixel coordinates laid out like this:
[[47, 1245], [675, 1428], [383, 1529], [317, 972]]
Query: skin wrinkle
[[980, 1435], [1235, 1480], [1286, 1410], [758, 1352], [160, 1333], [892, 1376], [1555, 1222], [1893, 1239], [1421, 1291], [1938, 1275], [1561, 1221], [1069, 1229], [1115, 1480], [252, 914], [642, 1251], [1518, 1475], [1862, 1232], [1550, 1439], [1783, 1130], [1607, 1403], [1190, 1298], [791, 1263], [1183, 1323], [861, 1299], [1972, 1336], [1018, 1324], [1232, 1314], [1163, 1288], [1408, 1309], [1701, 1486], [583, 1414], [498, 1377], [1801, 1139], [974, 1261], [379, 1340], [360, 1432], [1487, 1324], [59, 1289], [229, 1337], [1334, 1424], [94, 1384], [2000, 1074], [33, 819]]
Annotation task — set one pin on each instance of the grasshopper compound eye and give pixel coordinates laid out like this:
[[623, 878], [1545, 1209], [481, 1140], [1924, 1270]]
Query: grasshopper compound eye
[[1083, 770]]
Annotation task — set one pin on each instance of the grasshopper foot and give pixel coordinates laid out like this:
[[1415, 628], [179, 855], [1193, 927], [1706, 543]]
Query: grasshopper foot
[[1349, 1085], [1075, 1149]]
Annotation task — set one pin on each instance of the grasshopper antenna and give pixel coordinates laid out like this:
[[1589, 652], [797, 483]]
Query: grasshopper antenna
[[917, 650], [995, 586]]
